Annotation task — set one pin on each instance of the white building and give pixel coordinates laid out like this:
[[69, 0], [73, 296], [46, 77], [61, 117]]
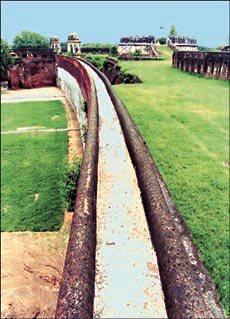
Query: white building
[[140, 45], [73, 43], [55, 44]]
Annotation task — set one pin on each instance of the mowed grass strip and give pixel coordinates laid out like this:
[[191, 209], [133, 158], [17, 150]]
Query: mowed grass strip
[[184, 119], [32, 168], [48, 114]]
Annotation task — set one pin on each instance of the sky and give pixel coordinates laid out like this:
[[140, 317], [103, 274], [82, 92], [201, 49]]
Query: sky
[[108, 21]]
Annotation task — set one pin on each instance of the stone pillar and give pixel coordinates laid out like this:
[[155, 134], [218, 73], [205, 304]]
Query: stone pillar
[[216, 68], [195, 65], [190, 64], [224, 72], [209, 70]]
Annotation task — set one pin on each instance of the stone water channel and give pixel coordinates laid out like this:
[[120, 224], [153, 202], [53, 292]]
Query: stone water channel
[[127, 282]]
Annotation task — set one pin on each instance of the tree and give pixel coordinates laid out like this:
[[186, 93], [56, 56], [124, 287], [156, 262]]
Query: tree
[[6, 59], [173, 31], [27, 39], [161, 40], [64, 45], [113, 51]]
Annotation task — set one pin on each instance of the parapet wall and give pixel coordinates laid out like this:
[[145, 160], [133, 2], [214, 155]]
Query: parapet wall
[[76, 294], [188, 289], [209, 64]]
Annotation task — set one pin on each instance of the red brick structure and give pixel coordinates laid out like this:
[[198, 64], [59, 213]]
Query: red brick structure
[[207, 63], [33, 68]]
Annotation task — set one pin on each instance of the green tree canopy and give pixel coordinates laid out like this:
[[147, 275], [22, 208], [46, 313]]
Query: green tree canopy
[[173, 31], [27, 39], [98, 45], [6, 59], [64, 45], [113, 51], [161, 40]]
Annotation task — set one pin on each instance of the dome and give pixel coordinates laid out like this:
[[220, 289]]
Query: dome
[[54, 38], [73, 36]]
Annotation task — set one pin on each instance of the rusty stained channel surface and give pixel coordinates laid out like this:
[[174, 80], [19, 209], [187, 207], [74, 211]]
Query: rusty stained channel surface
[[127, 283]]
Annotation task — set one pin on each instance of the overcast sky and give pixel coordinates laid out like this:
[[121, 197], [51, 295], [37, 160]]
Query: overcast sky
[[108, 21]]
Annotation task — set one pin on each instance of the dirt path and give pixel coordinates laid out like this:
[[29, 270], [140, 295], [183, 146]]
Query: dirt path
[[31, 269], [32, 263]]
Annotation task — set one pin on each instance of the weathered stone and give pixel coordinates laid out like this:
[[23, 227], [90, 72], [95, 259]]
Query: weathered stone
[[188, 288], [77, 286], [206, 63], [33, 68]]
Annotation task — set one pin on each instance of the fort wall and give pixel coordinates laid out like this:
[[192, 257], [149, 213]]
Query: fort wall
[[31, 73], [33, 68], [209, 64]]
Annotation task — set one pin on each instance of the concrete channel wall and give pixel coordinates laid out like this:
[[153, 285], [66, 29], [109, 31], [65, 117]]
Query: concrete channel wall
[[69, 85], [76, 295], [188, 288]]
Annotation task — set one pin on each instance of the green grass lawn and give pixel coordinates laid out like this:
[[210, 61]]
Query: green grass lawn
[[46, 114], [32, 167], [184, 119]]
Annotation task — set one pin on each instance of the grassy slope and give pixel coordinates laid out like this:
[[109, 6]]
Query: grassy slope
[[185, 121], [32, 163]]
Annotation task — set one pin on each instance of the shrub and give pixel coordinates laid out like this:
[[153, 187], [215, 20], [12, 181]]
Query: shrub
[[85, 107], [97, 61], [136, 53], [129, 78], [98, 45], [113, 51], [161, 40], [84, 132], [202, 48], [68, 187]]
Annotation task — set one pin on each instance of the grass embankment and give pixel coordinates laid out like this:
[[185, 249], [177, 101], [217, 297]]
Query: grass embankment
[[185, 121], [33, 166]]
